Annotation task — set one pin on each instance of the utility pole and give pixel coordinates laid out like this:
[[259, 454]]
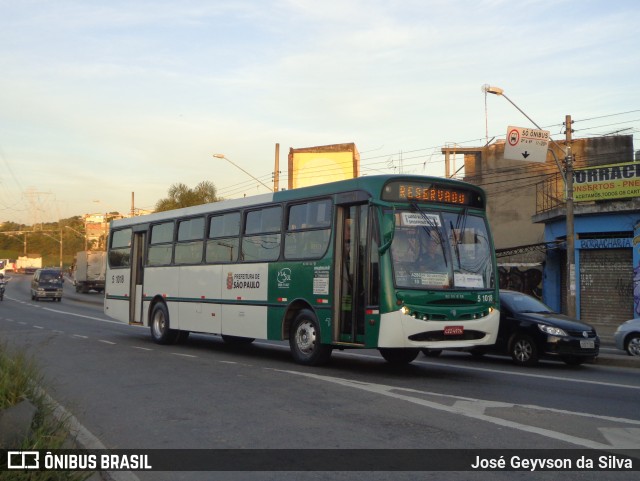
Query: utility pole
[[571, 261], [567, 178]]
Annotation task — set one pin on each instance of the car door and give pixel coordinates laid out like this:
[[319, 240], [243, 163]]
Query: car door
[[508, 326]]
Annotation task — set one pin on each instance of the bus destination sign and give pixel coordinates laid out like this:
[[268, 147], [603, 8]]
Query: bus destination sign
[[401, 191]]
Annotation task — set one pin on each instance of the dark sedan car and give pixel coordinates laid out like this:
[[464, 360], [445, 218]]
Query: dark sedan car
[[529, 329]]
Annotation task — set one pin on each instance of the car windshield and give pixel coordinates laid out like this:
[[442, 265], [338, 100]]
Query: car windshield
[[432, 249], [524, 303], [50, 277]]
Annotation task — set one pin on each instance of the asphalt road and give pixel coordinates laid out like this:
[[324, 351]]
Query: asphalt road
[[130, 393]]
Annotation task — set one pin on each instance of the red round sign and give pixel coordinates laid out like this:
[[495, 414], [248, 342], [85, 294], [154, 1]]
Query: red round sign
[[514, 137]]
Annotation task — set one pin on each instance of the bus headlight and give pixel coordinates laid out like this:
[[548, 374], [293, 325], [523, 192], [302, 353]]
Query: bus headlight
[[405, 310]]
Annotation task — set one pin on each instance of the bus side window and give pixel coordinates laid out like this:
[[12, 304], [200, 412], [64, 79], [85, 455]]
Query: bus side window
[[161, 244], [308, 230], [120, 248], [190, 245], [261, 241], [223, 240]]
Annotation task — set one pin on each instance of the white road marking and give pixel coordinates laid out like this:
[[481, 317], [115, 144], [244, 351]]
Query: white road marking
[[107, 342], [475, 408], [527, 374], [499, 371], [624, 438], [57, 311]]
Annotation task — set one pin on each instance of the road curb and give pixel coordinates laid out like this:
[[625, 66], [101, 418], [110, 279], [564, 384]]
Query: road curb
[[617, 361], [85, 439]]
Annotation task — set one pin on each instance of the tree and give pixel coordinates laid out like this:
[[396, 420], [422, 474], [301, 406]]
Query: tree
[[180, 195]]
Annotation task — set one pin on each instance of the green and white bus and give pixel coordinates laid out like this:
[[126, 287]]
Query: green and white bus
[[391, 262]]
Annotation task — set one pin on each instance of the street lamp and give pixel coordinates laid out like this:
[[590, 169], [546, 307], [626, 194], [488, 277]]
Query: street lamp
[[568, 187], [221, 156]]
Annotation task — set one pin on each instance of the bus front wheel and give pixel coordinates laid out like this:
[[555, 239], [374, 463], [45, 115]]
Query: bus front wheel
[[304, 340], [399, 356], [160, 330]]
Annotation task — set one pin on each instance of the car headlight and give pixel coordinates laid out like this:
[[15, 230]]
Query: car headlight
[[553, 331]]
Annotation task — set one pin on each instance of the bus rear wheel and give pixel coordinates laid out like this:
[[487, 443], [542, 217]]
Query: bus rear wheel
[[159, 325], [304, 340], [399, 356]]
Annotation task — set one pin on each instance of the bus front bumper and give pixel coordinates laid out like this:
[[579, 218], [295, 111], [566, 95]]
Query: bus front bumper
[[398, 330]]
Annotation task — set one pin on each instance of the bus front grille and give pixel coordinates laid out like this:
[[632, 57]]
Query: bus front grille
[[434, 336]]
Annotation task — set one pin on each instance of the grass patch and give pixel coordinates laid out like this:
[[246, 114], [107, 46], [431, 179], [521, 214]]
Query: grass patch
[[20, 379]]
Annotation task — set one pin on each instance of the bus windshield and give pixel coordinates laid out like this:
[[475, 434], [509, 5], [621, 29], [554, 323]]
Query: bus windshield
[[441, 250]]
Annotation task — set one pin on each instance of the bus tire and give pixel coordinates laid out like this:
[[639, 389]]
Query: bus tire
[[399, 356], [159, 325], [304, 340], [431, 352]]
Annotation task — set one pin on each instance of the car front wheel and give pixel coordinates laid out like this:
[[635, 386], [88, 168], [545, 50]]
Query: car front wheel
[[633, 345], [524, 351]]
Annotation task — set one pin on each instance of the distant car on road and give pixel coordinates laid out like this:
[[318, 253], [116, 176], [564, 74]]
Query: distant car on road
[[530, 330], [47, 284], [627, 337]]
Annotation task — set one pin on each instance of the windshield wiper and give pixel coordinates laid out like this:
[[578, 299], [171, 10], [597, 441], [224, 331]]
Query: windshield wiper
[[458, 232], [434, 227]]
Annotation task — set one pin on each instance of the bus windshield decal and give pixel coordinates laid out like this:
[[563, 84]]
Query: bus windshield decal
[[420, 219], [462, 279]]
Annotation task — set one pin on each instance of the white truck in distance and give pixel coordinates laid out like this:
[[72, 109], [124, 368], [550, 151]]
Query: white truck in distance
[[89, 271], [28, 264]]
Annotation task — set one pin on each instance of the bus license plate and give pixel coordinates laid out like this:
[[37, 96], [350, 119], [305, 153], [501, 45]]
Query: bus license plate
[[453, 330], [587, 344]]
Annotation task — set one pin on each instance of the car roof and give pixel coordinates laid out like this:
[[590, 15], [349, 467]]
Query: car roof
[[514, 293]]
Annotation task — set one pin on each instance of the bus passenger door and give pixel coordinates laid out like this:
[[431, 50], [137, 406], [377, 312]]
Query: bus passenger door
[[351, 272], [137, 275]]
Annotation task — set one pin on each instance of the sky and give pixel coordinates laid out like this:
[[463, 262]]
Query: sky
[[102, 99]]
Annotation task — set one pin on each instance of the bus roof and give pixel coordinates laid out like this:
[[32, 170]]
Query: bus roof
[[371, 184]]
